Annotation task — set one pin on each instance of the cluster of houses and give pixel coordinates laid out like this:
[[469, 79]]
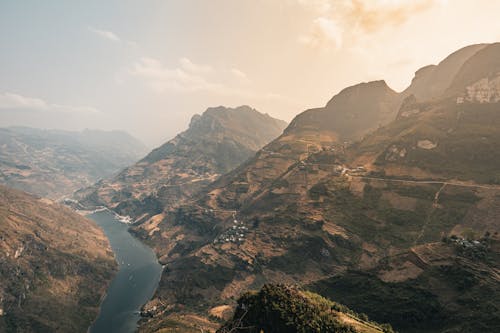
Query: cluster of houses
[[356, 171], [465, 243], [339, 169], [235, 234]]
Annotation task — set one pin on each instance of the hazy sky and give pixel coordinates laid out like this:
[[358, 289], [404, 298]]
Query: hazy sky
[[148, 66]]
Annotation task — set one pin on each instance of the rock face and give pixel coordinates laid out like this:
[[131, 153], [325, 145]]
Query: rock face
[[431, 81], [215, 142], [54, 163], [486, 90], [443, 140], [485, 63], [367, 217], [425, 144], [54, 266]]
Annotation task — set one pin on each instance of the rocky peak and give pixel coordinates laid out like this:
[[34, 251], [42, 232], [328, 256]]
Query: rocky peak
[[484, 64], [431, 81], [409, 107], [373, 89], [216, 142], [243, 124], [353, 112], [423, 72]]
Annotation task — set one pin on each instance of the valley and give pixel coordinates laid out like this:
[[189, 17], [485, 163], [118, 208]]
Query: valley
[[133, 285], [215, 143], [298, 166], [386, 202], [54, 164]]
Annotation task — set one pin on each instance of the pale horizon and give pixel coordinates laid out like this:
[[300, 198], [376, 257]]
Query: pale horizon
[[148, 68]]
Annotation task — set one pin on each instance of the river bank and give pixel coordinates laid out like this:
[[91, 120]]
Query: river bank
[[135, 283]]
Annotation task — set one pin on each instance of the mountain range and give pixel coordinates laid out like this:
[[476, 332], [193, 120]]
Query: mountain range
[[215, 143], [384, 201], [54, 163]]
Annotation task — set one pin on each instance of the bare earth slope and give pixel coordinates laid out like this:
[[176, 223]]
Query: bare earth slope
[[54, 266]]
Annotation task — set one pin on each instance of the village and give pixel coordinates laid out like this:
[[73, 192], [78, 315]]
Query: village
[[235, 234]]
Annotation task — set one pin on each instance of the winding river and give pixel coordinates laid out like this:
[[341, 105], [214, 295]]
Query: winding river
[[135, 283]]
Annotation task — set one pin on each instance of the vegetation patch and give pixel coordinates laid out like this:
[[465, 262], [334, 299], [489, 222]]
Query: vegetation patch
[[285, 309]]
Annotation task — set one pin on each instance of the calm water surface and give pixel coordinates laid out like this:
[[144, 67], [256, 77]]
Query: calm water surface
[[134, 284]]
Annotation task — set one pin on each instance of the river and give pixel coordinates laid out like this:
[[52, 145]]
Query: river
[[135, 283]]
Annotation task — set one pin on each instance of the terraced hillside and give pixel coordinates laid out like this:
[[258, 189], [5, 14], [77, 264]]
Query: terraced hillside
[[310, 208], [448, 286]]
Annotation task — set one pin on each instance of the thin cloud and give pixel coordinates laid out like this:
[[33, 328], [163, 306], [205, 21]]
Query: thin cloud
[[189, 77], [15, 101], [240, 75], [11, 102], [106, 34], [371, 16], [324, 31], [190, 66], [341, 20], [318, 6], [185, 78]]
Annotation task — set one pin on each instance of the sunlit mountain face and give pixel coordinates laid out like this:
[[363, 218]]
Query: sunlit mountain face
[[242, 166], [369, 213]]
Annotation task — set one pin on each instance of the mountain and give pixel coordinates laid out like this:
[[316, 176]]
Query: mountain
[[233, 234], [400, 223], [432, 81], [53, 163], [481, 68], [352, 113], [54, 266], [282, 309], [455, 136], [216, 142]]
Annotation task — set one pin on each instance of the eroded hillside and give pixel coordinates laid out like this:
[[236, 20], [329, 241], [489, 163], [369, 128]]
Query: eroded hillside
[[310, 208], [54, 266], [216, 142]]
